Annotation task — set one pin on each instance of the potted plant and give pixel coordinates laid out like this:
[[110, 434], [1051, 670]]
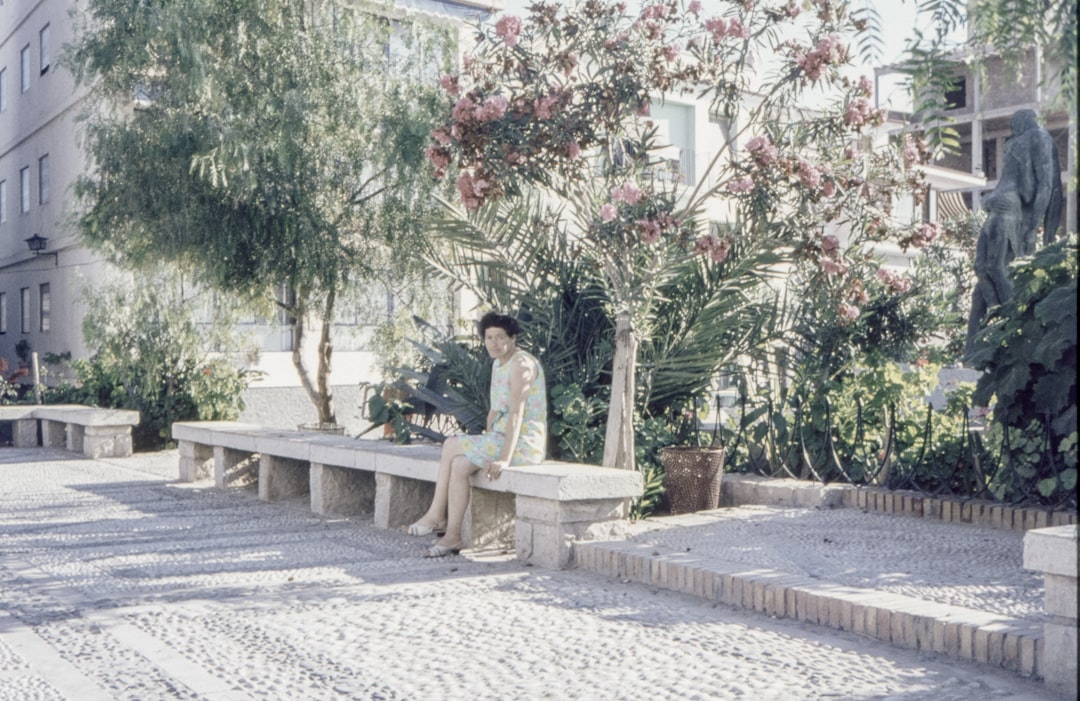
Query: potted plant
[[693, 465]]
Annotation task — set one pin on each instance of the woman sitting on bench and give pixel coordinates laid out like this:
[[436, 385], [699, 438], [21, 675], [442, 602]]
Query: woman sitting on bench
[[516, 434]]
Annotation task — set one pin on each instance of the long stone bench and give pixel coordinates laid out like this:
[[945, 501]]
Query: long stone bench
[[539, 510], [95, 432]]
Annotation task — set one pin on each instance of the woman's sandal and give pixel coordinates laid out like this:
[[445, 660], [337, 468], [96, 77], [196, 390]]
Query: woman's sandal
[[442, 550], [422, 529]]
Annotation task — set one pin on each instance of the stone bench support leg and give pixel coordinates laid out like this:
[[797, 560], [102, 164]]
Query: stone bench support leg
[[546, 529], [1053, 552], [53, 434], [107, 441], [25, 433], [196, 461], [281, 478], [489, 520], [341, 490], [400, 501], [75, 434], [234, 468]]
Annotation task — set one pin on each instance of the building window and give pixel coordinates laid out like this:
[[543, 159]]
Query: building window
[[44, 307], [24, 57], [24, 309], [956, 97], [46, 52], [3, 312], [24, 190], [3, 89], [3, 201], [43, 179]]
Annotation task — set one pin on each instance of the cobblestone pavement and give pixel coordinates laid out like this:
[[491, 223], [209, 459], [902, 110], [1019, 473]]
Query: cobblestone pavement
[[116, 582], [948, 563]]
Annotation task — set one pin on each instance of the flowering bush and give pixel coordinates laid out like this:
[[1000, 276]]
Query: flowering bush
[[561, 99]]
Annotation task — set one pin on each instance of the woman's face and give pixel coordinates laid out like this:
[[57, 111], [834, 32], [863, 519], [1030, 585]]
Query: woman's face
[[499, 344]]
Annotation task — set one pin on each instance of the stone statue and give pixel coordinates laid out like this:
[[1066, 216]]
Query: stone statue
[[1027, 197]]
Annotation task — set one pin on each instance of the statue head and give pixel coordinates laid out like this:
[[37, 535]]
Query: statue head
[[1023, 120]]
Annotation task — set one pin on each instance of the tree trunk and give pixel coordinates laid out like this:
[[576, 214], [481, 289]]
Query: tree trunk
[[619, 438], [318, 390]]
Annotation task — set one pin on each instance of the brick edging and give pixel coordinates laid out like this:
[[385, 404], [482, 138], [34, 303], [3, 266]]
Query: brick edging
[[899, 620], [975, 511]]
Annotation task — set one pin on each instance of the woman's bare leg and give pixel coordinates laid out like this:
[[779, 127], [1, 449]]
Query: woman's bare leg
[[436, 513], [457, 498]]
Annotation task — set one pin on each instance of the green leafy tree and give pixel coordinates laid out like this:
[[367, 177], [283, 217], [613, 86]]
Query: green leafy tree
[[560, 99], [261, 144]]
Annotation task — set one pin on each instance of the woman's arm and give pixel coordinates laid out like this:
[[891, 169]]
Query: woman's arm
[[522, 373]]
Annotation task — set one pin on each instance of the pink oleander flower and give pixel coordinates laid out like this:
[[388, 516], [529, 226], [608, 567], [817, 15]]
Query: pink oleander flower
[[438, 157], [850, 152], [830, 51], [926, 235], [716, 26], [720, 251], [694, 7], [715, 248], [464, 110], [736, 29], [658, 11], [832, 266], [544, 106], [911, 151], [829, 242], [508, 27], [466, 188], [763, 150], [573, 150], [650, 230], [809, 176], [671, 52], [828, 189], [848, 312], [629, 193], [743, 184], [898, 283], [608, 213], [865, 87], [441, 136], [494, 107], [449, 83]]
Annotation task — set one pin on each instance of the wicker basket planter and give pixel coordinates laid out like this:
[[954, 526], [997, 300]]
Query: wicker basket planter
[[692, 477]]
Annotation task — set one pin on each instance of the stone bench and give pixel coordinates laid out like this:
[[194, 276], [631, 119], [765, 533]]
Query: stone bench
[[539, 510], [95, 432], [1053, 552]]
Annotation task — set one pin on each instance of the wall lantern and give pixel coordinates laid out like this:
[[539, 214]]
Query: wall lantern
[[37, 244]]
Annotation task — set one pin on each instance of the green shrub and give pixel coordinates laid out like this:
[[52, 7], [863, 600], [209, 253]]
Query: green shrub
[[149, 355], [1027, 352]]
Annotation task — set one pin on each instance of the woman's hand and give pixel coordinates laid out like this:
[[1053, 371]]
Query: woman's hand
[[495, 468]]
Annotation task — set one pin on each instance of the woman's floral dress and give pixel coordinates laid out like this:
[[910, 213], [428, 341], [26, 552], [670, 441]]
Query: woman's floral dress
[[532, 441]]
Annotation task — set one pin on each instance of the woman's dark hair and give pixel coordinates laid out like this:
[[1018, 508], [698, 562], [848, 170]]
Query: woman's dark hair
[[503, 321]]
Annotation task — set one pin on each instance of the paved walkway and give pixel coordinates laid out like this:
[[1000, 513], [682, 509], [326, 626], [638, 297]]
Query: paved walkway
[[116, 582]]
